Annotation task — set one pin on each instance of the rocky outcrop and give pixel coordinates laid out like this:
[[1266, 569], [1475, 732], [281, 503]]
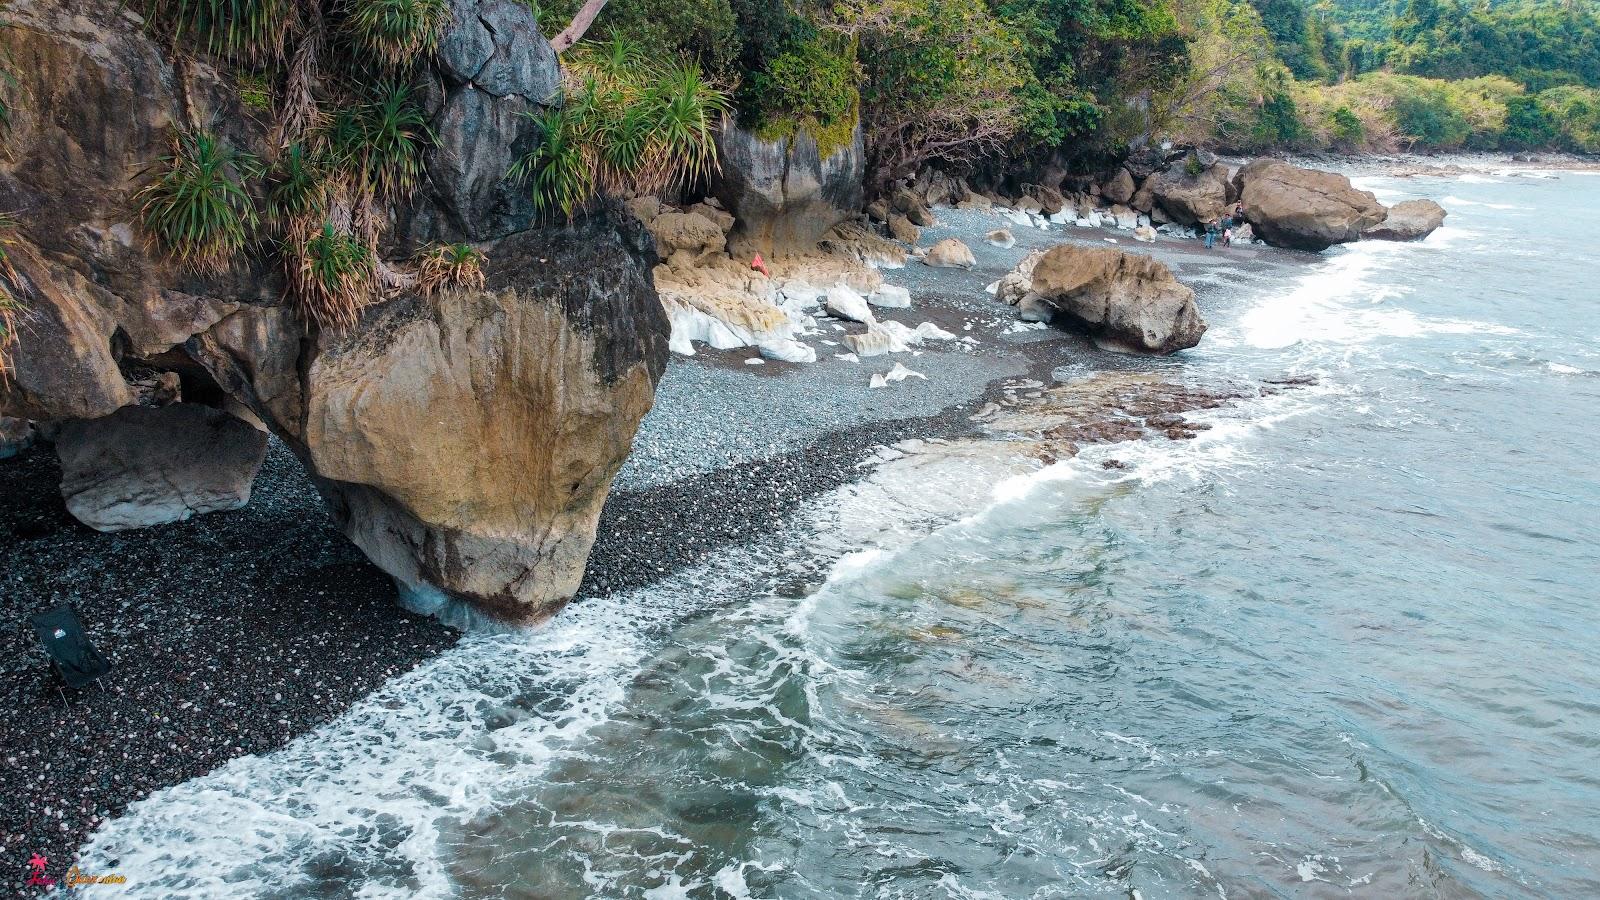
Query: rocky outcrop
[[1306, 209], [1125, 301], [492, 69], [464, 441], [785, 195], [1408, 220], [143, 466], [687, 239]]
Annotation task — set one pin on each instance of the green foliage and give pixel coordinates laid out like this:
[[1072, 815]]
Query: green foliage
[[449, 265], [396, 32], [1345, 127], [299, 185], [558, 172], [628, 123], [195, 207], [703, 30], [380, 142], [247, 30], [810, 86], [1577, 109], [255, 91], [332, 275]]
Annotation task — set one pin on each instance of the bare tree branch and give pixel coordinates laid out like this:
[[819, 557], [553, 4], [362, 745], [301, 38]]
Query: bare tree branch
[[574, 32]]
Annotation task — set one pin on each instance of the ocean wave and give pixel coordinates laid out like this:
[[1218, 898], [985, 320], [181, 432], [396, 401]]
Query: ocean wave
[[1453, 200]]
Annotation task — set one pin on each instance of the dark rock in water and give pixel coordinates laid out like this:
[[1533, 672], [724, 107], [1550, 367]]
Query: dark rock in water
[[1305, 209], [466, 442], [785, 195], [1127, 302], [1408, 220], [493, 69], [143, 466]]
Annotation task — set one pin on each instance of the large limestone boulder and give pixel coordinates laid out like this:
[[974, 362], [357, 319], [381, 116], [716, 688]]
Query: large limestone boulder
[[143, 466], [1408, 220], [785, 195], [1127, 302], [950, 253], [1306, 209], [1190, 199], [466, 442]]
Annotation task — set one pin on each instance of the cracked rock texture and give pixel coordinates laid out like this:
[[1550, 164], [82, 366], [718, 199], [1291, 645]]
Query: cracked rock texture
[[784, 194], [1306, 209]]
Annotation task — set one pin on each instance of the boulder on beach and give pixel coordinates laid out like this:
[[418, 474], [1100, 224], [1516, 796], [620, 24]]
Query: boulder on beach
[[890, 296], [1145, 233], [1127, 302], [845, 303], [950, 253], [1408, 220], [912, 207], [902, 229], [143, 466], [1015, 284], [1190, 198], [1119, 187], [1306, 209], [1001, 238]]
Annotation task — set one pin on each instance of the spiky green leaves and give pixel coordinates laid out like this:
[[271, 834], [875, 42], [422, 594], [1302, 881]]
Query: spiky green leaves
[[627, 123], [195, 207], [9, 306], [449, 265], [381, 141], [331, 275], [395, 33], [251, 30]]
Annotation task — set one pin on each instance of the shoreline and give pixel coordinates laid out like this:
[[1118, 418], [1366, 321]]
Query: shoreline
[[310, 627]]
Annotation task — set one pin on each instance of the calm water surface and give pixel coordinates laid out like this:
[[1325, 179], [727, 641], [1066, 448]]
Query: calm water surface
[[1344, 643]]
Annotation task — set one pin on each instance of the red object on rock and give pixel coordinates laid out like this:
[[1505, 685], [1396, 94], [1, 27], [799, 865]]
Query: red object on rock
[[760, 266]]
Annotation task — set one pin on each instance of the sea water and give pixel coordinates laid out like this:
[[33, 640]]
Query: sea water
[[1344, 642]]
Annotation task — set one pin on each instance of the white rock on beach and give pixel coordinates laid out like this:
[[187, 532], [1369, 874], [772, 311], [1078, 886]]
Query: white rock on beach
[[890, 296], [898, 373], [878, 340], [928, 331], [787, 351], [1145, 233], [845, 303]]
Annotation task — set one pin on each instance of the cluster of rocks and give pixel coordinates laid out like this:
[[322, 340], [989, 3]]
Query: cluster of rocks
[[1176, 192]]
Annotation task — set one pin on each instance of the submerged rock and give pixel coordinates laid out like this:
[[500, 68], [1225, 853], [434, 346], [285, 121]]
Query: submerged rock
[[1125, 301], [143, 466], [1305, 209], [1409, 220]]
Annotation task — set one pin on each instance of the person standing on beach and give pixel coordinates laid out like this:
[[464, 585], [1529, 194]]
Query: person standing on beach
[[1211, 234]]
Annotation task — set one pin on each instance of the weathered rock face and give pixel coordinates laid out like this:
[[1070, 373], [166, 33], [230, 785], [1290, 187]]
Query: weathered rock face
[[1408, 220], [1305, 209], [143, 466], [785, 196], [1125, 301], [686, 239], [1190, 199], [466, 443], [493, 68]]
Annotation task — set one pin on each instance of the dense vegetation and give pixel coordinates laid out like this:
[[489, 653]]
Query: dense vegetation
[[1021, 81]]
